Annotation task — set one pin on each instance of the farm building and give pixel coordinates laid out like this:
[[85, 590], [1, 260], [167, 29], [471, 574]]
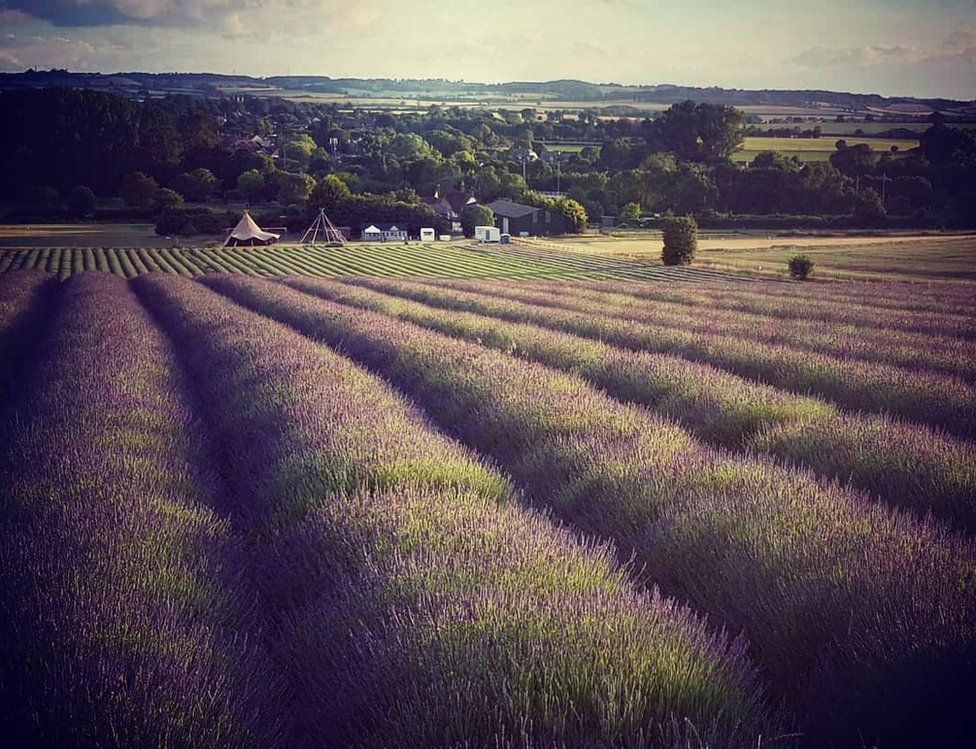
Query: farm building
[[384, 233], [517, 219], [248, 234]]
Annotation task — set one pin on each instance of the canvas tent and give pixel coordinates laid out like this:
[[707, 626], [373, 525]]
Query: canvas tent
[[247, 234]]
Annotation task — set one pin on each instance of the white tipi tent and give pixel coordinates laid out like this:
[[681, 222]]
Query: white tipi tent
[[247, 234]]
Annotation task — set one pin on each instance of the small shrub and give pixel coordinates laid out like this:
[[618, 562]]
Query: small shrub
[[167, 200], [680, 240], [800, 266], [630, 213], [81, 202]]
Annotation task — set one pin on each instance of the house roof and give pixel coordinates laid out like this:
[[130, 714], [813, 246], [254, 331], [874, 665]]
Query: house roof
[[450, 202], [437, 204], [384, 227], [508, 209], [458, 199]]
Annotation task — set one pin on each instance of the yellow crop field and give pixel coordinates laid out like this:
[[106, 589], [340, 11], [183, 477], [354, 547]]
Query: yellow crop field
[[815, 149]]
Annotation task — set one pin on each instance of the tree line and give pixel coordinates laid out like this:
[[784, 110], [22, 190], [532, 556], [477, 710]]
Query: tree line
[[65, 149]]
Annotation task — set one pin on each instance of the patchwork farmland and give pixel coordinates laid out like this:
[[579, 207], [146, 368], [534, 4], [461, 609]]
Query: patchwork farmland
[[815, 149], [375, 498]]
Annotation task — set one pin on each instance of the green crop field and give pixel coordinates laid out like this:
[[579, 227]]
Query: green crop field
[[566, 147], [895, 257], [814, 149], [441, 260], [845, 129]]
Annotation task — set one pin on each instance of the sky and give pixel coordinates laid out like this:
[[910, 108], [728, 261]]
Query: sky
[[890, 47]]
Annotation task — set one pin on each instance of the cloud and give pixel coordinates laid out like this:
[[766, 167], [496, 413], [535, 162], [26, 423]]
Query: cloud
[[12, 16], [234, 26], [82, 13], [590, 47], [959, 47], [960, 40], [69, 13], [829, 57], [929, 51], [222, 15], [38, 52]]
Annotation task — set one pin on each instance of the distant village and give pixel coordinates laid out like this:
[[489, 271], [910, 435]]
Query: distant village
[[192, 165]]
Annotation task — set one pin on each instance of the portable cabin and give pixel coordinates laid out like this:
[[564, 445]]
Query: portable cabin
[[487, 234]]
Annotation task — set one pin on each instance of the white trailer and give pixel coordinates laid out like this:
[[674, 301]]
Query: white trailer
[[427, 235], [487, 234]]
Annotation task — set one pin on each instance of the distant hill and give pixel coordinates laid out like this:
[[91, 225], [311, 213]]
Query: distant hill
[[591, 94]]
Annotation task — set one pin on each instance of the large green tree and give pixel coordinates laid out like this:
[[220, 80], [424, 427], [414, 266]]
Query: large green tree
[[699, 131], [138, 190], [328, 192], [294, 188], [197, 184], [476, 215], [853, 160], [251, 184]]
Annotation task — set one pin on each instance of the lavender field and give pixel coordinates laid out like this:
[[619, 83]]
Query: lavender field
[[406, 512]]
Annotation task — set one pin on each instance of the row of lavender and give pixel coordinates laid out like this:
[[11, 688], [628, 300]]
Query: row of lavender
[[115, 626], [852, 611], [901, 463], [226, 535], [24, 306], [938, 310], [891, 344], [930, 397], [940, 297], [403, 584]]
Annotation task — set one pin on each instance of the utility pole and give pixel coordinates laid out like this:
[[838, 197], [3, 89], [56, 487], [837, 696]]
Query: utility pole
[[885, 179]]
